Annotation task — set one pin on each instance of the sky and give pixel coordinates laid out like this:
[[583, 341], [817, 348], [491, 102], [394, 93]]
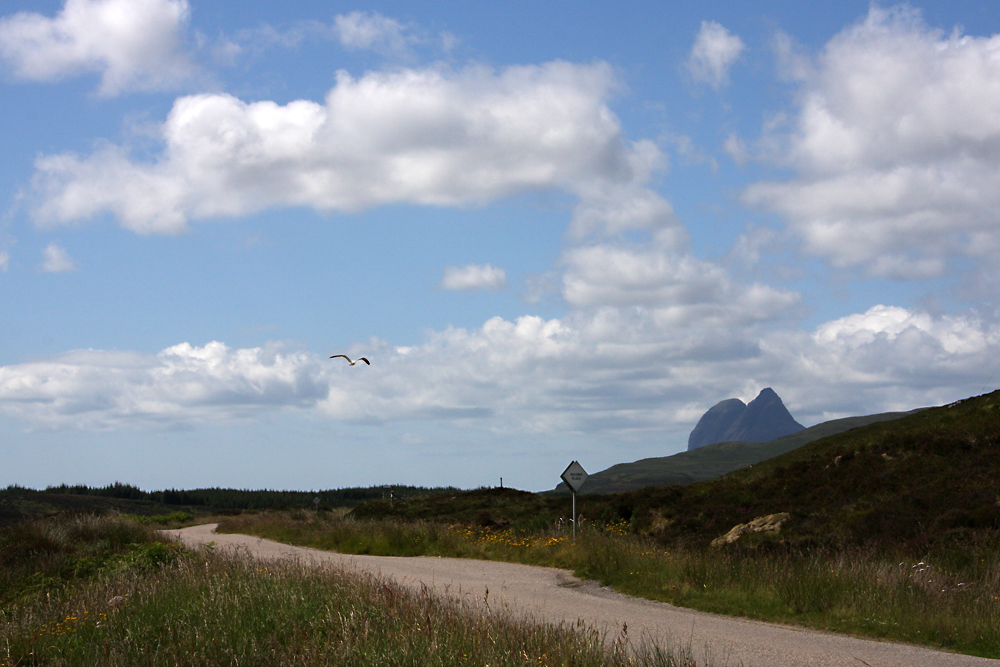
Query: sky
[[559, 231]]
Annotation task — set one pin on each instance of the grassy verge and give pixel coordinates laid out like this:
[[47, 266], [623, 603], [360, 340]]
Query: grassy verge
[[209, 609], [855, 591]]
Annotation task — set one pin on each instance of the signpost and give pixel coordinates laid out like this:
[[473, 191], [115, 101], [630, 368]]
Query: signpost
[[574, 475]]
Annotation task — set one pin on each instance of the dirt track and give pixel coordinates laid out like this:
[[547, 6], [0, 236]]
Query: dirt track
[[556, 596]]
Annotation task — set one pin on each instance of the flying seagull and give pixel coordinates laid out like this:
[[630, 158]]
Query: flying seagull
[[351, 363]]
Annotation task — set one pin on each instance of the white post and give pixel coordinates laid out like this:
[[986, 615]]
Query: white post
[[574, 515]]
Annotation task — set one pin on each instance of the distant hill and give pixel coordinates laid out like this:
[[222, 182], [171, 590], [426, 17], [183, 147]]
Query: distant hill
[[922, 484], [764, 418], [715, 460]]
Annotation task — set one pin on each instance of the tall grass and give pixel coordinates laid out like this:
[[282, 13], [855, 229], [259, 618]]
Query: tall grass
[[955, 606], [45, 554], [207, 608], [856, 591]]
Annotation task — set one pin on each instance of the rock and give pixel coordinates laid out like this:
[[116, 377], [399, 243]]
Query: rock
[[764, 418], [715, 424], [764, 524]]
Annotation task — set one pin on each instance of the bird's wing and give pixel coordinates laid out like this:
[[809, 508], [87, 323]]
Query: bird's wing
[[341, 355], [364, 360]]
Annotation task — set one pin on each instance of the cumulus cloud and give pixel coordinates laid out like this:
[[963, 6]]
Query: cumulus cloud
[[431, 136], [872, 355], [183, 385], [896, 149], [714, 52], [606, 369], [132, 44], [57, 260], [955, 335], [676, 288], [652, 336], [609, 209], [474, 277]]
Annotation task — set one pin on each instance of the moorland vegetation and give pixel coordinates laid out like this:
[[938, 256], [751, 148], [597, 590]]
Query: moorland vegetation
[[893, 532], [81, 589]]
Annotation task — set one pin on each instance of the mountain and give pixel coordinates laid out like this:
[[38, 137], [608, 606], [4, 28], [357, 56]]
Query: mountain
[[764, 419], [715, 460], [924, 482], [716, 424]]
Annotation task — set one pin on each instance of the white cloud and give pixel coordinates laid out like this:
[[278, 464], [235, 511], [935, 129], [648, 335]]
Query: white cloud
[[896, 148], [181, 386], [675, 288], [4, 260], [792, 61], [474, 277], [621, 370], [607, 209], [736, 149], [132, 44], [432, 137], [714, 52], [892, 356], [355, 31], [371, 30], [955, 335], [57, 259]]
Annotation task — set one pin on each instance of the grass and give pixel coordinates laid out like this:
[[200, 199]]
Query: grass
[[854, 590], [47, 555], [206, 608], [169, 519]]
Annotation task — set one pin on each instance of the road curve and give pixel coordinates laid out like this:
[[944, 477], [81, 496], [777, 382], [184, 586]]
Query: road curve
[[556, 596]]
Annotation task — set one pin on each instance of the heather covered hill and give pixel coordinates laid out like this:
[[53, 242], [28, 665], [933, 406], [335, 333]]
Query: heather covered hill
[[925, 482], [714, 460]]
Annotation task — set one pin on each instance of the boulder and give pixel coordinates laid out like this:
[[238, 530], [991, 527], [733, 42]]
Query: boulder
[[763, 524]]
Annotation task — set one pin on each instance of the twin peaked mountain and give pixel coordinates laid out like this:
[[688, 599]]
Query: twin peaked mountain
[[764, 418]]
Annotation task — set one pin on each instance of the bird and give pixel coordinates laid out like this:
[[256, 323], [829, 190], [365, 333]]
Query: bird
[[351, 363]]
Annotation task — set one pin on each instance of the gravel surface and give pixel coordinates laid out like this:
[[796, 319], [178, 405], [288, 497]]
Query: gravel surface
[[553, 595]]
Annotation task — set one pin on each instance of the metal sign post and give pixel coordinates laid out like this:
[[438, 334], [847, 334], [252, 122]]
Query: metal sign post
[[574, 475]]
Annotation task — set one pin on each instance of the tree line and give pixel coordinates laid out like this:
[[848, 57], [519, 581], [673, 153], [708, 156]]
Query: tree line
[[248, 499]]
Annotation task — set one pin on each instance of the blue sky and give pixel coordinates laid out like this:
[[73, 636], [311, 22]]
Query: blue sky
[[557, 233]]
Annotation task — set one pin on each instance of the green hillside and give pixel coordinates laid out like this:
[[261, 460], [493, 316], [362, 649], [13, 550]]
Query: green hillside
[[927, 481], [713, 461]]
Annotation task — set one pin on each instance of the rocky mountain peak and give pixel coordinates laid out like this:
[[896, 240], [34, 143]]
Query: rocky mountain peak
[[764, 418]]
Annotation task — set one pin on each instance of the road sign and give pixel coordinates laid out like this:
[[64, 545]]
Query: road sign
[[574, 476]]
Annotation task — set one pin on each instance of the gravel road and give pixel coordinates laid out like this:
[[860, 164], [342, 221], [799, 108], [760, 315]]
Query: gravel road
[[556, 596]]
